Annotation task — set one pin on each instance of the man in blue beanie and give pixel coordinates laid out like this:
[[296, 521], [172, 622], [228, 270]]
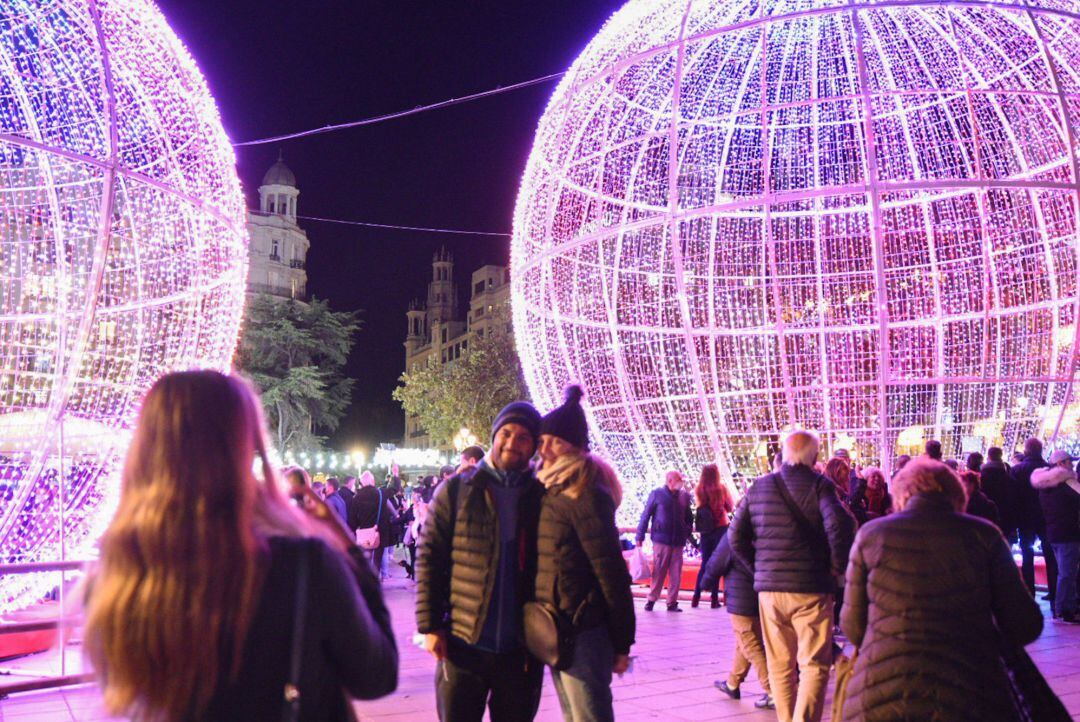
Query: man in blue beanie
[[475, 569]]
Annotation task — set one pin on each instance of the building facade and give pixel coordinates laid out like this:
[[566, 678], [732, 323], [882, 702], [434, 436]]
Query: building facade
[[439, 333], [279, 247]]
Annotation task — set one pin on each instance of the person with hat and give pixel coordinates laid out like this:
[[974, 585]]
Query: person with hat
[[582, 575], [475, 569], [1059, 496]]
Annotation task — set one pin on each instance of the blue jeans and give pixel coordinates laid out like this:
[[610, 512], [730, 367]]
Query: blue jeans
[[585, 688], [1068, 560]]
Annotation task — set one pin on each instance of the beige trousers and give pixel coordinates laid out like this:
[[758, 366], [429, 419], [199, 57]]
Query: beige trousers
[[798, 629], [748, 651], [667, 562]]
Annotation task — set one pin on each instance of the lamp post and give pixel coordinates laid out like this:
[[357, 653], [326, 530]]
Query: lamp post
[[463, 439]]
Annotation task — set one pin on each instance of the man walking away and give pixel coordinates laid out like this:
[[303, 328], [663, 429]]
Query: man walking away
[[1059, 495], [335, 500], [795, 534], [1030, 521], [998, 485], [476, 568], [669, 509]]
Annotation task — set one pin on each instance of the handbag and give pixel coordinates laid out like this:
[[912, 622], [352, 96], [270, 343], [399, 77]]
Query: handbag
[[369, 538], [548, 636], [1031, 693], [845, 668]]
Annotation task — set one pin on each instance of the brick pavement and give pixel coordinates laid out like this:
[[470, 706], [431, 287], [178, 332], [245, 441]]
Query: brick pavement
[[677, 658]]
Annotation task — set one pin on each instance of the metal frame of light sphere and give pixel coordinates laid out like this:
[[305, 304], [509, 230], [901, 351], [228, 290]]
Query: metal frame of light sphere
[[774, 272], [123, 256]]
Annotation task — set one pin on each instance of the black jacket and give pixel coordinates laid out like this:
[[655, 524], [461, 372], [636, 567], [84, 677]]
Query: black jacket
[[671, 515], [347, 644], [930, 594], [1029, 509], [739, 595], [580, 553], [980, 505], [1060, 503], [457, 556], [766, 537], [364, 513], [999, 486]]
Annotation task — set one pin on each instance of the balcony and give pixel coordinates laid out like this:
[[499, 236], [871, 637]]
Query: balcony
[[275, 257], [296, 263]]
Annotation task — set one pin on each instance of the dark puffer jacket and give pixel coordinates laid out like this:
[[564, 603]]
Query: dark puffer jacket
[[765, 536], [927, 592], [458, 554], [1060, 503], [739, 595], [671, 515], [1029, 511], [580, 552]]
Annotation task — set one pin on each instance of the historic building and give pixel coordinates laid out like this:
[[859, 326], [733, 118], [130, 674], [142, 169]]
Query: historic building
[[438, 332], [279, 246]]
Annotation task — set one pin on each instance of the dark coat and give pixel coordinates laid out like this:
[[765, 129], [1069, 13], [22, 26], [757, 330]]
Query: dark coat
[[739, 595], [980, 505], [337, 502], [1060, 503], [580, 552], [348, 642], [671, 515], [999, 486], [927, 592], [1030, 515], [765, 536], [364, 513], [458, 554]]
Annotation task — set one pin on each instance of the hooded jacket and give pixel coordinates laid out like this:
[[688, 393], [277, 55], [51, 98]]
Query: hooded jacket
[[1059, 495]]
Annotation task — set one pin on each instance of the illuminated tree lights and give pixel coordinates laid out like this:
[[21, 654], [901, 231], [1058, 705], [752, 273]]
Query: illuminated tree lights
[[122, 256], [869, 227]]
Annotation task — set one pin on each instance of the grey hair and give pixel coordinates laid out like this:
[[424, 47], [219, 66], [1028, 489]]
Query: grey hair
[[801, 447]]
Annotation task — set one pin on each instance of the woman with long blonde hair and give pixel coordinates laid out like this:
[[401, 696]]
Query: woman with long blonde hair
[[192, 610]]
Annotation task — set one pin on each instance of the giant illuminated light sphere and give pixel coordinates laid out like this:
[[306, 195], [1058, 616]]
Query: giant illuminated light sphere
[[122, 256], [857, 217]]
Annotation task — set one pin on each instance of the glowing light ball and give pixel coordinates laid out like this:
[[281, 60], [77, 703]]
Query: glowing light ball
[[122, 256], [859, 217]]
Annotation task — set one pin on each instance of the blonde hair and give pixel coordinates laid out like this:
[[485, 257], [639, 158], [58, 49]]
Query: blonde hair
[[176, 587], [801, 447], [926, 477]]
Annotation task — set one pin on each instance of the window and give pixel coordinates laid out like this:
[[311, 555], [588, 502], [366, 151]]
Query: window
[[444, 335], [275, 247]]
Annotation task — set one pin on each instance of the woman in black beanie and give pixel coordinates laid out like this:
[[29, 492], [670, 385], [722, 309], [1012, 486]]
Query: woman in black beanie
[[581, 571]]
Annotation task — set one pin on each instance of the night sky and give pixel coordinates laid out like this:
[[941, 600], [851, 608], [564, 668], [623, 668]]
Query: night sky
[[280, 67]]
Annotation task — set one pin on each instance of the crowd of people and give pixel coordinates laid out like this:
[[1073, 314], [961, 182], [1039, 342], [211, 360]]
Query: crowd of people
[[216, 597]]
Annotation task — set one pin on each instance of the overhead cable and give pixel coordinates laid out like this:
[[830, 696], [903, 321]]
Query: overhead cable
[[367, 224], [400, 113]]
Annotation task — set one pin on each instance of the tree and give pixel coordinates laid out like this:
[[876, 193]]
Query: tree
[[294, 353], [467, 392]]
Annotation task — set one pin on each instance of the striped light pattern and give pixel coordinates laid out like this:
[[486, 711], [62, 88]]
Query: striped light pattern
[[858, 217], [123, 256]]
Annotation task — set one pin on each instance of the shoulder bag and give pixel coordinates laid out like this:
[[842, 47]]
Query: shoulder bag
[[369, 538], [548, 636], [1031, 693], [818, 544]]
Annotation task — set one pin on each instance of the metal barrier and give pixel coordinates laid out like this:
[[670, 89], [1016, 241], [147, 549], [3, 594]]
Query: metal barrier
[[60, 622]]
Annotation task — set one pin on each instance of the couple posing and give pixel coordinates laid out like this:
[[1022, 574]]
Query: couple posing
[[508, 533]]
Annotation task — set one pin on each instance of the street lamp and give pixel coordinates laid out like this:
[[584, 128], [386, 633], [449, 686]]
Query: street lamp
[[464, 439]]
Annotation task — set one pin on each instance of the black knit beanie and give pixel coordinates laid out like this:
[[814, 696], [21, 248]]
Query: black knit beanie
[[518, 412], [568, 421]]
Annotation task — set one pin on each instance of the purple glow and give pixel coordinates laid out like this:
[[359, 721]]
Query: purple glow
[[773, 272], [123, 256]]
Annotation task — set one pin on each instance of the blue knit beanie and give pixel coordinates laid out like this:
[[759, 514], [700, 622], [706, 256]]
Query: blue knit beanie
[[518, 412]]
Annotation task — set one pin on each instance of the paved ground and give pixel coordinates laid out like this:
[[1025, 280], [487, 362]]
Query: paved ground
[[677, 658]]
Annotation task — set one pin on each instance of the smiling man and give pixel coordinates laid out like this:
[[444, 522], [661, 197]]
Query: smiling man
[[475, 570]]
